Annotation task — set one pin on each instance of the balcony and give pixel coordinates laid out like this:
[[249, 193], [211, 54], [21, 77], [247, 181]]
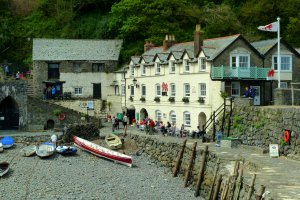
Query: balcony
[[227, 72]]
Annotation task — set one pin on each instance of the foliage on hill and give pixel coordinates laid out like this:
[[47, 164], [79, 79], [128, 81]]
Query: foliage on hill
[[137, 21]]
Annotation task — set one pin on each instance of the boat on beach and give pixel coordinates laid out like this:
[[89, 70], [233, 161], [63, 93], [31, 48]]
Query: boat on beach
[[45, 149], [113, 141], [4, 167], [7, 142], [66, 150], [1, 147], [102, 152], [28, 151]]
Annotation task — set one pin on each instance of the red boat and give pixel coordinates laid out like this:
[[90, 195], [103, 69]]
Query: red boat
[[102, 152]]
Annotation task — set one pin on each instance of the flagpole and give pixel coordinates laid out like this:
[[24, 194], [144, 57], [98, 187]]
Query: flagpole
[[278, 51]]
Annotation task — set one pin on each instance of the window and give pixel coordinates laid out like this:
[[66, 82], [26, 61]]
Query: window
[[286, 63], [202, 89], [131, 90], [132, 70], [98, 67], [173, 90], [123, 90], [283, 85], [186, 65], [77, 67], [143, 70], [157, 68], [53, 71], [202, 62], [187, 118], [187, 89], [157, 90], [240, 61], [172, 117], [143, 90], [78, 91], [235, 89], [172, 66], [158, 115]]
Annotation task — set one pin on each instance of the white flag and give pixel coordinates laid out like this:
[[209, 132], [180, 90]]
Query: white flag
[[273, 27]]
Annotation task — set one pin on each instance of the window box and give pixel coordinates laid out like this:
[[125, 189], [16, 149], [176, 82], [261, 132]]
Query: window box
[[142, 99], [185, 99], [201, 100], [157, 99], [172, 99], [131, 98]]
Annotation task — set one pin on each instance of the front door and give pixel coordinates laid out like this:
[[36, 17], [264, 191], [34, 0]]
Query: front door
[[97, 91], [257, 96]]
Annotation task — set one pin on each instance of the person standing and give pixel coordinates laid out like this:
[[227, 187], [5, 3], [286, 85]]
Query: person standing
[[113, 122], [53, 91], [125, 124], [17, 75], [6, 70], [151, 125]]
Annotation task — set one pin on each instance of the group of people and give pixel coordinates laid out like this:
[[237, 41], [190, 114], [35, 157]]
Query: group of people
[[250, 92], [115, 123], [49, 92]]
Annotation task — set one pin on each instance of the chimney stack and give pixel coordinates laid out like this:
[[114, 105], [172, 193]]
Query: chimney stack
[[168, 42], [148, 46], [198, 42]]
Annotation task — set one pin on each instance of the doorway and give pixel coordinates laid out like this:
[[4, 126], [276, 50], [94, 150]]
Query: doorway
[[97, 91], [9, 114], [257, 96]]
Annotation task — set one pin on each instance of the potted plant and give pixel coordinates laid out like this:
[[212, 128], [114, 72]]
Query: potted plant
[[131, 98], [142, 99], [157, 99], [201, 100], [172, 99], [185, 99]]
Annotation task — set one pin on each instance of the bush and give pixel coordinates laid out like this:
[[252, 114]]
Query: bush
[[185, 99], [201, 100], [157, 99], [56, 112], [172, 99], [131, 98], [142, 99], [85, 131]]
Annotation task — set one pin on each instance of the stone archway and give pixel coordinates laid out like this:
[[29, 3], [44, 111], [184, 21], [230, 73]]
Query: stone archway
[[143, 114], [201, 120], [9, 114], [50, 124], [131, 113]]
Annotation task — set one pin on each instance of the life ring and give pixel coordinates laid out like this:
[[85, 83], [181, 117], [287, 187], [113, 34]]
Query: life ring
[[61, 116], [287, 136]]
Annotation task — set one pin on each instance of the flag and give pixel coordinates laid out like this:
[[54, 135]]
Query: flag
[[273, 27]]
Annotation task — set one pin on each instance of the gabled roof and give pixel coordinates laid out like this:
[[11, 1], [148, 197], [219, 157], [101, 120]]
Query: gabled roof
[[73, 49], [147, 58], [264, 46], [177, 54], [162, 56], [298, 50], [135, 59]]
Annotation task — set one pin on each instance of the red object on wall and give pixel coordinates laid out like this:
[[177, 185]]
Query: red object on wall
[[287, 136], [164, 87]]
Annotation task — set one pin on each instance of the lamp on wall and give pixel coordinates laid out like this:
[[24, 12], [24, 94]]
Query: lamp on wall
[[135, 83]]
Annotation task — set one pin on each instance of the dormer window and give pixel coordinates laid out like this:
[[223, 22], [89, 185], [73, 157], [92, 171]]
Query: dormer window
[[132, 70], [172, 66], [157, 68], [143, 70], [186, 65], [202, 64]]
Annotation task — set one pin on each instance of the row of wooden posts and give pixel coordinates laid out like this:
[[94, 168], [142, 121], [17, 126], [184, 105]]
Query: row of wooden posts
[[231, 186]]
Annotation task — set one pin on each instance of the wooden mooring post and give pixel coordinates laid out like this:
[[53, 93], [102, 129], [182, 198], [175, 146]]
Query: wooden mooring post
[[214, 179], [260, 192], [250, 191], [234, 179], [239, 185], [201, 172], [217, 188], [179, 159], [191, 164]]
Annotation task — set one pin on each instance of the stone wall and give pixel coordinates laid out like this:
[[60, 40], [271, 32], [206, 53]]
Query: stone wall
[[165, 153], [261, 126]]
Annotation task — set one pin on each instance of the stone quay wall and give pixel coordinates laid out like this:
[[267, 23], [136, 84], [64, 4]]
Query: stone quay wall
[[166, 152], [261, 126]]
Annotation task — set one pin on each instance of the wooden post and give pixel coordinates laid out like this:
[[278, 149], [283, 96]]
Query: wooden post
[[214, 126], [179, 158], [239, 185], [251, 187], [201, 172], [217, 188], [292, 85], [191, 163], [229, 120], [234, 178], [214, 179], [260, 192], [224, 113]]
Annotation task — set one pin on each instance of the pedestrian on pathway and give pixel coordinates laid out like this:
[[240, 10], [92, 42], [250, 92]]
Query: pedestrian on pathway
[[125, 124]]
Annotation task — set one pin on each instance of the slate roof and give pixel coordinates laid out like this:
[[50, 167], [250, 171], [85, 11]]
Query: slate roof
[[74, 49], [298, 50], [135, 59], [264, 46]]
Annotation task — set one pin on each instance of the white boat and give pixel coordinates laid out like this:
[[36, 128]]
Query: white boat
[[1, 147], [113, 141], [28, 151], [66, 150], [103, 152], [45, 149], [4, 167]]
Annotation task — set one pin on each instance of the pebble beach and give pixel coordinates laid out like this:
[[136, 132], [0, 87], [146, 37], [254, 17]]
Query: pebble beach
[[85, 176]]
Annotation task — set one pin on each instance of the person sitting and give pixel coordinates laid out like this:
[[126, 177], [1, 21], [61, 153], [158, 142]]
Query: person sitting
[[182, 130]]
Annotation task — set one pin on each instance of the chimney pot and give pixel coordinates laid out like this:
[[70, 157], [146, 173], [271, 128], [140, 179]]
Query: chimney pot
[[198, 42]]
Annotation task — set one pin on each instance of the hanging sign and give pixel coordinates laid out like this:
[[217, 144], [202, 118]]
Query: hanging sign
[[274, 150]]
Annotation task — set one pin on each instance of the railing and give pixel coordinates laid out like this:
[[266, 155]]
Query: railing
[[222, 72]]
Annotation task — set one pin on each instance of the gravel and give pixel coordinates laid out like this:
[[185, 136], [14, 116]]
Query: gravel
[[85, 176]]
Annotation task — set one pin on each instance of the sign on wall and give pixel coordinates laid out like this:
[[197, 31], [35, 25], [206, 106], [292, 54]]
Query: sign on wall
[[90, 105], [274, 150]]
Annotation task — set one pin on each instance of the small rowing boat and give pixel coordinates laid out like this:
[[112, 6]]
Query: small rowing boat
[[7, 142], [45, 149], [103, 152], [66, 150], [113, 141], [28, 151], [4, 167]]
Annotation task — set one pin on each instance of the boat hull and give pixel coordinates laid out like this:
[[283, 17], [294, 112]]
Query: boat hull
[[103, 152], [7, 142], [28, 151], [113, 141], [66, 150], [4, 167], [45, 150]]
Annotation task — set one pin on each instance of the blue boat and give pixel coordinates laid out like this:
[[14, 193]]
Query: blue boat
[[7, 142], [66, 150]]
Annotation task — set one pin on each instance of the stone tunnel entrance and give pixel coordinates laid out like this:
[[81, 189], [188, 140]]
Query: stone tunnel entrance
[[9, 114]]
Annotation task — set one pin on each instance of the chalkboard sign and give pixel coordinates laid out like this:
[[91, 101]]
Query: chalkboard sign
[[274, 150]]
